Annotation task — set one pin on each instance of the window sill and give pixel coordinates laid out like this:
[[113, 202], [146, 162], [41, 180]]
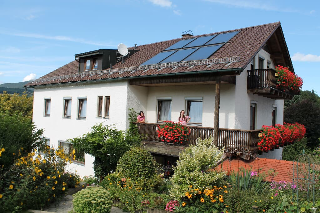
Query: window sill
[[67, 117], [80, 163], [106, 117], [46, 116], [82, 118]]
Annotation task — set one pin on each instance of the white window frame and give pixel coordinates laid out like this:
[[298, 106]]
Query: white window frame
[[64, 107], [78, 108], [45, 114], [194, 99]]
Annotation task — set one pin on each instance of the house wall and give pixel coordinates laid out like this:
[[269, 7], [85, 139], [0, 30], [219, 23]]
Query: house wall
[[58, 128], [137, 99], [178, 95]]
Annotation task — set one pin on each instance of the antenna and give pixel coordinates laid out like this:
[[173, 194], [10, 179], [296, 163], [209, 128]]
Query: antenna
[[122, 49]]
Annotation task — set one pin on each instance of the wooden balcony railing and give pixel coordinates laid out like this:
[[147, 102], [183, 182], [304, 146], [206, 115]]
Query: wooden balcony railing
[[261, 78], [263, 82], [234, 141]]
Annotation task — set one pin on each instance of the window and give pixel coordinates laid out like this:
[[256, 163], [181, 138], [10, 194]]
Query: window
[[82, 108], [47, 107], [67, 108], [194, 111], [87, 64], [77, 156], [274, 116], [253, 113], [95, 64], [261, 63], [106, 106], [164, 110], [100, 101]]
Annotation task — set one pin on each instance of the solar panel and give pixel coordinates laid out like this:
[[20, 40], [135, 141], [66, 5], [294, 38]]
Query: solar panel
[[157, 58], [200, 41], [203, 53], [221, 38], [180, 44], [179, 55]]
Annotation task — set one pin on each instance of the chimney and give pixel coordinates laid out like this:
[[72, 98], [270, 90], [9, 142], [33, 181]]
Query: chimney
[[187, 34]]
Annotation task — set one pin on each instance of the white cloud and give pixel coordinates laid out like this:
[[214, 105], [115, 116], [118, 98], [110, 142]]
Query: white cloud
[[162, 3], [30, 77], [251, 4], [312, 11], [10, 50], [57, 38], [309, 57], [30, 17], [177, 12], [1, 73]]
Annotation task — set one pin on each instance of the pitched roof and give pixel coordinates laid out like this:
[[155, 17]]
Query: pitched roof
[[244, 45], [275, 170]]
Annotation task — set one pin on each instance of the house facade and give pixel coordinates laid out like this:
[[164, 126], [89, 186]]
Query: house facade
[[163, 78]]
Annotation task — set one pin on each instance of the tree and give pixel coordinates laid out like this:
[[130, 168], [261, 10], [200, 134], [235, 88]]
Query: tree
[[16, 104], [107, 145], [306, 112], [18, 136]]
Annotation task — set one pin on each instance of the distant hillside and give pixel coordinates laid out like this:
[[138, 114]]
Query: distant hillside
[[12, 88]]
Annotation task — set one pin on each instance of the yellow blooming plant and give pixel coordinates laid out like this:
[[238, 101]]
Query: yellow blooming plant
[[36, 180]]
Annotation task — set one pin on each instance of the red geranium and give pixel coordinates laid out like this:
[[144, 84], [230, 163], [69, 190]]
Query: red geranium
[[287, 79], [171, 132]]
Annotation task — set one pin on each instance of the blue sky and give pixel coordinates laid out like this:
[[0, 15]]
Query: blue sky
[[39, 36]]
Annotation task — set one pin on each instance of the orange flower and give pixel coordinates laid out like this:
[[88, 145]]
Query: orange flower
[[202, 200]]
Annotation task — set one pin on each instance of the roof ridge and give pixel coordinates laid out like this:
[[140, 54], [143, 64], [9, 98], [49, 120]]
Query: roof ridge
[[207, 34]]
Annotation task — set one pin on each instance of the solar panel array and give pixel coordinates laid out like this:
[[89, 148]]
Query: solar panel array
[[192, 49]]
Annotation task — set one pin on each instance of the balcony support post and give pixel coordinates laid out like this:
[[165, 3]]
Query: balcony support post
[[216, 113]]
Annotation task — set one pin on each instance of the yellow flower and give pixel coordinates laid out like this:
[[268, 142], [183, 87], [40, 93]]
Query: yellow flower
[[54, 195], [21, 175], [53, 188], [56, 182], [271, 197], [64, 184], [1, 196], [48, 177], [54, 177], [21, 203], [202, 200], [213, 201], [11, 187], [3, 149], [183, 203], [226, 191], [63, 188], [34, 178]]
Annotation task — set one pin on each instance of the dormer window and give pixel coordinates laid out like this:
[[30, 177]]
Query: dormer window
[[87, 64], [95, 64]]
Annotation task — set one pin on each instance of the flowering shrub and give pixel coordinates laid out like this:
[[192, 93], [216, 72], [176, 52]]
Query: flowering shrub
[[205, 200], [171, 205], [287, 79], [93, 199], [280, 135], [171, 132], [34, 181], [195, 167]]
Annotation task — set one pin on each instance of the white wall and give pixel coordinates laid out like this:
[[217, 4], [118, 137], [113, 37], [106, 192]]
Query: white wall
[[178, 95], [137, 99], [58, 128]]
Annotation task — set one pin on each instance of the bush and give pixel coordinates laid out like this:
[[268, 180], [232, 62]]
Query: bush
[[92, 199], [195, 168], [35, 181], [106, 144], [16, 104], [137, 164], [18, 137]]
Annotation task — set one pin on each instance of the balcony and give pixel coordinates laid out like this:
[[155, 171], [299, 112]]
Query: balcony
[[242, 143], [263, 82]]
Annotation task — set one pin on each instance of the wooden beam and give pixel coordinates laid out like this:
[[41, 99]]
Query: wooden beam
[[216, 114]]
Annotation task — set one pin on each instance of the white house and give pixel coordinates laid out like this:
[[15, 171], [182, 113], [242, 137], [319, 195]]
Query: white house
[[164, 78]]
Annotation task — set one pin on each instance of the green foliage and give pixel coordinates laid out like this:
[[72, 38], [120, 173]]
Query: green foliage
[[195, 167], [293, 151], [92, 199], [35, 181], [106, 144], [247, 180], [137, 164], [305, 109], [16, 104], [17, 135], [89, 180]]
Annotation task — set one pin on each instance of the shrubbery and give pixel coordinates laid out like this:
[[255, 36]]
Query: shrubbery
[[92, 199], [35, 181], [195, 168]]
